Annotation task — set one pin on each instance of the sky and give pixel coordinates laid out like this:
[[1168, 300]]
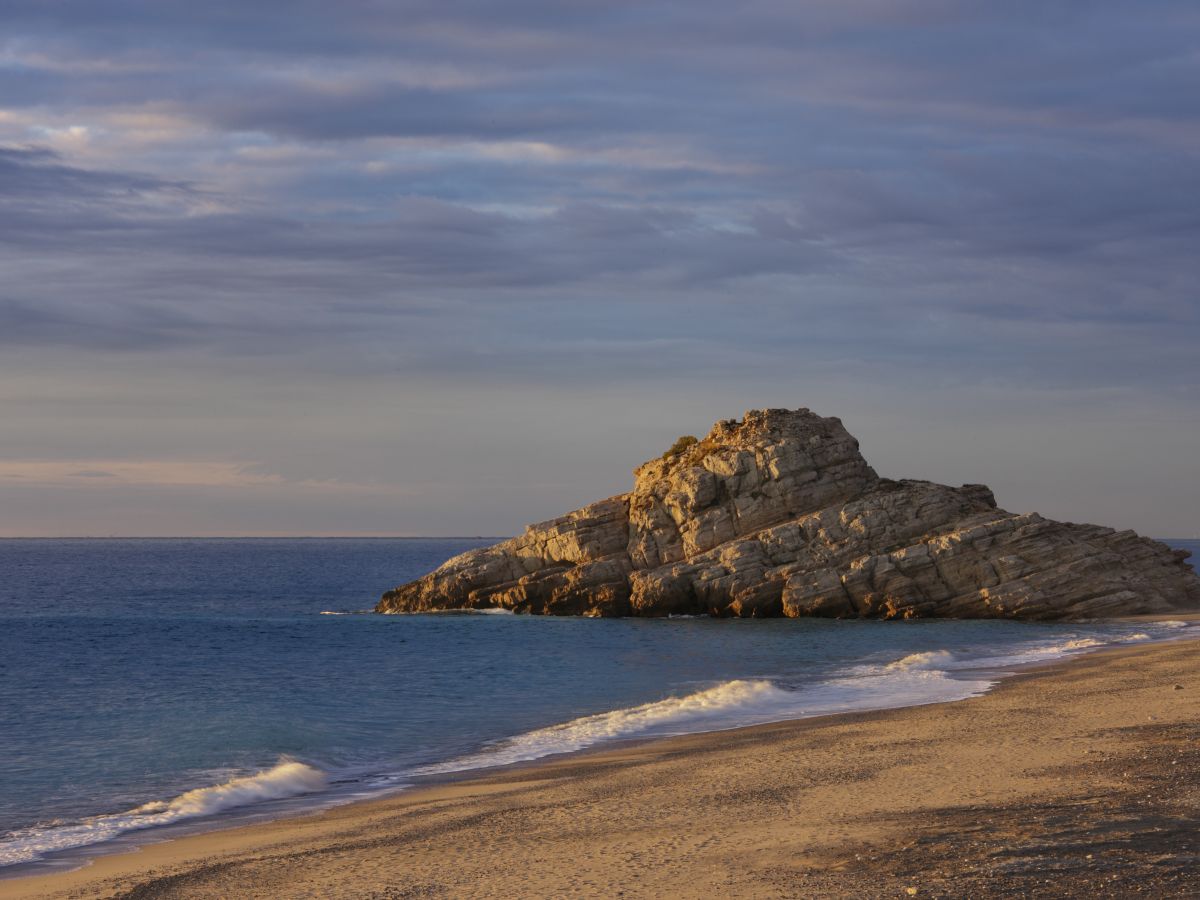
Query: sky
[[430, 268]]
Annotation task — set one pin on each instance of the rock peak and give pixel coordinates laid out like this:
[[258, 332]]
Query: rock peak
[[778, 513], [768, 467]]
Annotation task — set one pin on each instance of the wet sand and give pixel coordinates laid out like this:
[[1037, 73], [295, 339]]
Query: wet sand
[[1076, 779]]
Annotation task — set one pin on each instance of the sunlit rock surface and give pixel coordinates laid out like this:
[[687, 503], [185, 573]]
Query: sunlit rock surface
[[778, 514]]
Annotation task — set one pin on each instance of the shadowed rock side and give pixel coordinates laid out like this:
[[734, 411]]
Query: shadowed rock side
[[779, 515]]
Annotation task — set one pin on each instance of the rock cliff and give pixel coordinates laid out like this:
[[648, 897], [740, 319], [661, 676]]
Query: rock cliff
[[778, 514]]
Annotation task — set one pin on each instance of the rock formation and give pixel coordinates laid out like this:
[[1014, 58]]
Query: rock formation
[[779, 515]]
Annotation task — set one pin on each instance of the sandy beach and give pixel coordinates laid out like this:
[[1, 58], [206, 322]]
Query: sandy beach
[[1075, 779]]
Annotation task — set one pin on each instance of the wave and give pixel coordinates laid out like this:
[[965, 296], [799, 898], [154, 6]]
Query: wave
[[287, 779], [928, 676], [1082, 644], [731, 704], [673, 715], [921, 677], [1048, 651], [929, 659], [347, 612]]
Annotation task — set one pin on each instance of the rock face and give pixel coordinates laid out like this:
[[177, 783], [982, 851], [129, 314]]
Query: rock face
[[779, 515]]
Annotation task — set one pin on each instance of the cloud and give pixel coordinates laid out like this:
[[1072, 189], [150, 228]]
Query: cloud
[[932, 196], [33, 172], [109, 472]]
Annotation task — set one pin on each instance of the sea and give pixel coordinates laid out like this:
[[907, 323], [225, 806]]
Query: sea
[[150, 687]]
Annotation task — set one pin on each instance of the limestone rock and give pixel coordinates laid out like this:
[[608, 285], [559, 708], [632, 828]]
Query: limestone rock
[[778, 514]]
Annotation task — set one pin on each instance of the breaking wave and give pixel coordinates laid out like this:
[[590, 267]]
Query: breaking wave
[[693, 712], [921, 677], [287, 779], [930, 676], [929, 659], [1082, 644]]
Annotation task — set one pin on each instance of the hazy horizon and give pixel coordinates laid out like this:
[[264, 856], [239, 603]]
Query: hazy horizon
[[417, 269]]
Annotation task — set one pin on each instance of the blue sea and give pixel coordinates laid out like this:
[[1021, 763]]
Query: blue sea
[[152, 686]]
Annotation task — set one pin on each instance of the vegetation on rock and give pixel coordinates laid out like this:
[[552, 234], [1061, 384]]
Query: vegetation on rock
[[681, 444]]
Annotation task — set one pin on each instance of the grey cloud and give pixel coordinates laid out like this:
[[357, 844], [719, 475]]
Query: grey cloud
[[913, 199], [88, 325], [38, 172], [399, 111], [603, 68], [424, 240]]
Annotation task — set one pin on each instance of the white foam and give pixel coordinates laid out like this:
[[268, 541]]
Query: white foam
[[459, 611], [1029, 654], [1082, 644], [287, 779], [731, 704], [929, 660], [672, 715], [930, 676], [918, 678]]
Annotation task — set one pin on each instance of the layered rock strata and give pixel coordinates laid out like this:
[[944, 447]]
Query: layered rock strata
[[779, 514]]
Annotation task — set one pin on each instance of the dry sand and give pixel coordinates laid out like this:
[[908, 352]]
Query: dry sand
[[1081, 778]]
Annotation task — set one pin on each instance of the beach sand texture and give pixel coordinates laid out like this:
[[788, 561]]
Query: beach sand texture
[[1078, 779]]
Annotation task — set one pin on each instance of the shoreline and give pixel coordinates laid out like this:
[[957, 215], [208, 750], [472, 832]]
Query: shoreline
[[958, 683], [189, 864]]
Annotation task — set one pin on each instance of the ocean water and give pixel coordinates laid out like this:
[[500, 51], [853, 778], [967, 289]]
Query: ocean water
[[147, 686]]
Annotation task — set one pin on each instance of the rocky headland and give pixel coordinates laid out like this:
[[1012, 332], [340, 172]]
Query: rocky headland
[[779, 514]]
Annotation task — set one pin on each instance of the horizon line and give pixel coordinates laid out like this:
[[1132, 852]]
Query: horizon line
[[320, 537], [253, 537]]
